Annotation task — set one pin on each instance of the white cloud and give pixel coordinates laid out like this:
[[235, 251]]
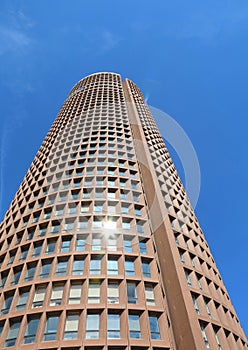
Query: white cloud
[[14, 32]]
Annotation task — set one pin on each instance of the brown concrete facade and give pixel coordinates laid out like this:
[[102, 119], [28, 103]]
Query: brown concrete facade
[[100, 248]]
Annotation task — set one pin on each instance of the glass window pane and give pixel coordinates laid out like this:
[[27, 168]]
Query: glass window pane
[[92, 326], [31, 330], [51, 328], [113, 326]]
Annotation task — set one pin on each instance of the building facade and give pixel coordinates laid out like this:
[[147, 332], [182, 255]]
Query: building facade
[[100, 248]]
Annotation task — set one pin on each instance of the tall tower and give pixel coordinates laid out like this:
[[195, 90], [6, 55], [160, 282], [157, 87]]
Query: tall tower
[[100, 248]]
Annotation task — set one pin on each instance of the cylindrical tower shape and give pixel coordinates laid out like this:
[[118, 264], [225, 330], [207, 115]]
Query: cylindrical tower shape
[[100, 248]]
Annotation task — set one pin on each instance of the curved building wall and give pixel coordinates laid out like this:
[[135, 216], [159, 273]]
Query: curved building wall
[[84, 263]]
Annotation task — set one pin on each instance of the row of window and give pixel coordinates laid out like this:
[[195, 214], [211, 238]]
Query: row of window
[[71, 327], [112, 208], [77, 291], [78, 243], [61, 267]]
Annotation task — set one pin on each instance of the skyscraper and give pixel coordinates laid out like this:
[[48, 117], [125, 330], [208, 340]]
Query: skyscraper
[[100, 247]]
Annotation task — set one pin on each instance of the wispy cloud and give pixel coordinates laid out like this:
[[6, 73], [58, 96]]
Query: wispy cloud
[[14, 32], [208, 26]]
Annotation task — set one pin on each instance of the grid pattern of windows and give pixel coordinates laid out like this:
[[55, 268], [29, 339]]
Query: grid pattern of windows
[[77, 251]]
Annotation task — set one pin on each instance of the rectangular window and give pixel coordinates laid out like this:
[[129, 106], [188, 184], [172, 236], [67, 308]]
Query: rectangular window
[[112, 266], [146, 269], [22, 300], [187, 278], [112, 245], [61, 267], [7, 303], [131, 293], [80, 245], [194, 299], [71, 326], [45, 269], [127, 245], [96, 244], [30, 273], [95, 265], [12, 333], [129, 267], [39, 296], [134, 326], [37, 250], [94, 292], [204, 335], [65, 246], [78, 266], [149, 292], [92, 326], [51, 328], [142, 246], [113, 293], [75, 293], [50, 247], [57, 293], [31, 330], [154, 327], [113, 326], [16, 276]]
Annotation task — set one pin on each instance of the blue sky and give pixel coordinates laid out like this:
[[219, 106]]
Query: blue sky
[[190, 58]]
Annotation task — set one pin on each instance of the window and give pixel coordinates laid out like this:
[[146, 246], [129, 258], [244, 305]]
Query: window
[[146, 269], [24, 254], [217, 339], [22, 300], [75, 293], [94, 292], [50, 247], [31, 330], [39, 296], [78, 266], [55, 227], [92, 326], [204, 335], [80, 245], [112, 244], [51, 327], [187, 278], [57, 293], [149, 292], [134, 326], [71, 326], [112, 266], [12, 333], [142, 246], [65, 246], [131, 293], [154, 327], [199, 280], [30, 273], [206, 301], [127, 245], [181, 252], [61, 267], [95, 265], [45, 269], [194, 299], [113, 293], [16, 276], [129, 267], [113, 325], [37, 250], [7, 303], [96, 244]]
